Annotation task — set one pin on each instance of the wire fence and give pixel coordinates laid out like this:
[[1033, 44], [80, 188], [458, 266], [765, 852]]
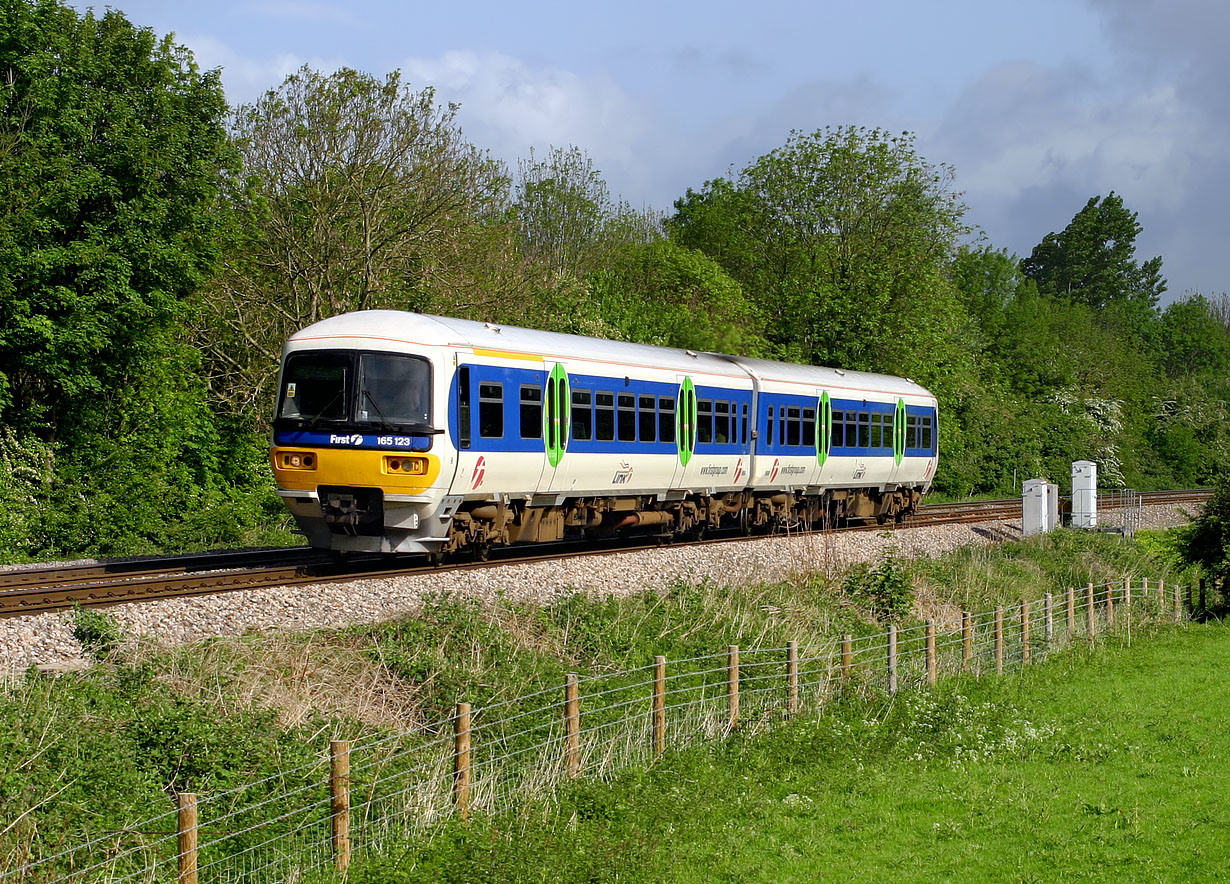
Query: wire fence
[[508, 757]]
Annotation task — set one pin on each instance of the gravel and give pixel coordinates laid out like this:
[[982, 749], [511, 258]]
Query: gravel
[[46, 640]]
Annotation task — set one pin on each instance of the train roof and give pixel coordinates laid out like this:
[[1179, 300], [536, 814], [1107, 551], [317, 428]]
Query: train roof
[[378, 327]]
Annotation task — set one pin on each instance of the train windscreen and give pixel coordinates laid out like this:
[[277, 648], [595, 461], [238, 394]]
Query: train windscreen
[[394, 390], [314, 386]]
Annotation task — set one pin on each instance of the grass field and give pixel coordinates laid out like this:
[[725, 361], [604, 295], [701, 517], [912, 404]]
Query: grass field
[[1105, 766]]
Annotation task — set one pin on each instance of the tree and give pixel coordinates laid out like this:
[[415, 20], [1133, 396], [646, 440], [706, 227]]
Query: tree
[[1093, 260], [662, 293], [565, 218], [358, 193], [842, 237], [1206, 542], [1192, 338], [112, 149]]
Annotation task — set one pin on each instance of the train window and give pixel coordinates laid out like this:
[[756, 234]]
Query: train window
[[769, 432], [911, 431], [647, 418], [582, 415], [704, 420], [743, 424], [809, 427], [721, 422], [604, 413], [666, 418], [876, 425], [864, 429], [927, 441], [627, 417], [531, 412], [491, 410], [793, 425]]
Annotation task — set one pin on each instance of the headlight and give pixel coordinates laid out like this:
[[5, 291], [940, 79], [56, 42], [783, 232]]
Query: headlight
[[414, 466], [298, 460]]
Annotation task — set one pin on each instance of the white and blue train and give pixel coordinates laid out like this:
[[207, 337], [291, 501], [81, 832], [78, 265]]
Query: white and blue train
[[403, 433]]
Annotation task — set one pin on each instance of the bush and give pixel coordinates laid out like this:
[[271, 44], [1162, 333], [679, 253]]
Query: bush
[[886, 588]]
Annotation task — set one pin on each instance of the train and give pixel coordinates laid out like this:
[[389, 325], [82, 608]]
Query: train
[[399, 433]]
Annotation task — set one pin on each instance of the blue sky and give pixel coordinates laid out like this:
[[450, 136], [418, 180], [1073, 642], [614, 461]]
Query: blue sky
[[1038, 105]]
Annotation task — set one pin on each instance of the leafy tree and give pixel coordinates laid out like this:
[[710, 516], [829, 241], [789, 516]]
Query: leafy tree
[[841, 236], [1093, 260], [358, 193], [662, 293], [1207, 541], [1192, 338], [111, 152], [565, 217]]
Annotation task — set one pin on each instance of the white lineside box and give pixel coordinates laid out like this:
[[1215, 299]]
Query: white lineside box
[[1034, 510], [1084, 494]]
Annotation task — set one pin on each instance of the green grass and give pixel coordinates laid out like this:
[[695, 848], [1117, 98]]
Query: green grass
[[95, 754], [1108, 766]]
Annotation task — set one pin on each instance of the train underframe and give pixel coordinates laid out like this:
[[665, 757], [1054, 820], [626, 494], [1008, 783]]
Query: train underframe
[[478, 527]]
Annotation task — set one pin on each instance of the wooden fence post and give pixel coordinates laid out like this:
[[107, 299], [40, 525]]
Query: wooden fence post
[[1091, 629], [339, 790], [659, 705], [931, 664], [572, 726], [1110, 605], [1025, 633], [461, 760], [967, 638], [1178, 604], [892, 658], [1161, 597], [1071, 600], [1049, 605], [1144, 590], [732, 685], [999, 639], [847, 658], [187, 831], [792, 677]]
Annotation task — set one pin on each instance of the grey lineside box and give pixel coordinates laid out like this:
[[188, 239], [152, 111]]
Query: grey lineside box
[[1084, 494], [1039, 506]]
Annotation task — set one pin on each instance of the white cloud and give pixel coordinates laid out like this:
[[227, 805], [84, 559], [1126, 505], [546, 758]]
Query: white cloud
[[509, 106]]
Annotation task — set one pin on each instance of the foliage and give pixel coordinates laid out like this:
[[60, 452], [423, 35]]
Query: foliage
[[1092, 261], [1207, 541], [885, 588], [664, 294], [356, 193], [113, 150], [96, 631]]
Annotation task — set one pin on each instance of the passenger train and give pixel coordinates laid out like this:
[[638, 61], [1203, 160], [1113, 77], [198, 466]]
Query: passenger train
[[404, 433]]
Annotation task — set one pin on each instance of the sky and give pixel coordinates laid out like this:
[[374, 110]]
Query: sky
[[1037, 106]]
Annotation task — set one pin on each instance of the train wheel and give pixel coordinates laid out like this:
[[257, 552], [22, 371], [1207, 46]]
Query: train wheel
[[481, 550]]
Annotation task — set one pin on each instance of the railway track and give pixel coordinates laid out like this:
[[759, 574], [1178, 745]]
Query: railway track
[[41, 589]]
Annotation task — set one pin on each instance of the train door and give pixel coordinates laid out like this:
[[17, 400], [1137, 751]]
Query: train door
[[558, 475], [824, 434], [685, 430], [899, 439]]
